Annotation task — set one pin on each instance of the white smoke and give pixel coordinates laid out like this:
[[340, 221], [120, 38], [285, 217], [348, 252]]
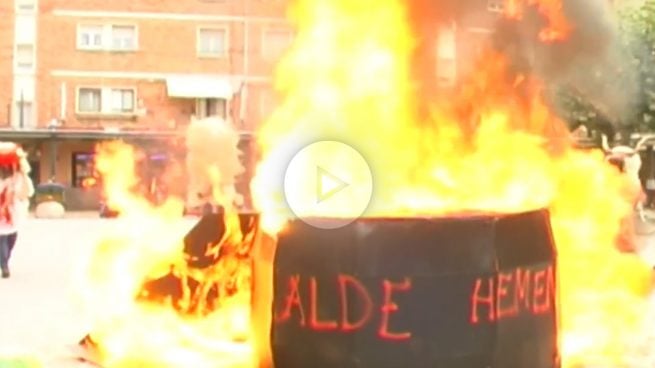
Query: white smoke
[[213, 162]]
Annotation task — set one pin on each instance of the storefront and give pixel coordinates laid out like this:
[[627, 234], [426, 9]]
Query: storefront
[[67, 157]]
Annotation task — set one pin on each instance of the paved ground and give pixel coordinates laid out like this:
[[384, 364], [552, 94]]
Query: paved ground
[[37, 315]]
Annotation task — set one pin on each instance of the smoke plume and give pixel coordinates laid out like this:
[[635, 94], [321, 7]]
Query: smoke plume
[[213, 163], [589, 61]]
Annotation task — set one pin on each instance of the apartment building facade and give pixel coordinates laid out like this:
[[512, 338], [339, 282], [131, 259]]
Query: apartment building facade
[[81, 71]]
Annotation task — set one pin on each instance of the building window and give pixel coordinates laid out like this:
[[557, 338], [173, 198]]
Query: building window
[[24, 56], [83, 168], [122, 100], [212, 42], [447, 55], [103, 36], [89, 37], [267, 103], [106, 100], [89, 100], [25, 6], [496, 6], [276, 42], [24, 114], [206, 107], [123, 38]]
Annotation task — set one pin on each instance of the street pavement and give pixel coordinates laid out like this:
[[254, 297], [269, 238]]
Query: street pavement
[[38, 315]]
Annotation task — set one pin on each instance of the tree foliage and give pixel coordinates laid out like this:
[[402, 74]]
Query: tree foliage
[[636, 26], [637, 31]]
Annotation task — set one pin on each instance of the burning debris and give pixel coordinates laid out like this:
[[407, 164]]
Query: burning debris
[[160, 301], [216, 268], [493, 146]]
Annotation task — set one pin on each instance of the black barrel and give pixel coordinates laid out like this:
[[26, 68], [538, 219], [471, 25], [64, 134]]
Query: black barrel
[[475, 291]]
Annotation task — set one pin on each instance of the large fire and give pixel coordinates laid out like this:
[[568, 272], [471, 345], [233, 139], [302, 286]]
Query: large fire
[[494, 146], [130, 330]]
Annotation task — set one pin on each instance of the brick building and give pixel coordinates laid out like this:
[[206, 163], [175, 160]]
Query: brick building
[[77, 72], [82, 71]]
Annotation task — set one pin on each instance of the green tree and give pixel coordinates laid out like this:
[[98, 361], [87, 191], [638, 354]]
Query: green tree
[[576, 110], [637, 32], [636, 26]]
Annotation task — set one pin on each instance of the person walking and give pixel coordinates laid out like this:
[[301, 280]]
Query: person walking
[[8, 165], [14, 190], [25, 191]]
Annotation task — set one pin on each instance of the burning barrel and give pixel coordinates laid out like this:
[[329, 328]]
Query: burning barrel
[[470, 291]]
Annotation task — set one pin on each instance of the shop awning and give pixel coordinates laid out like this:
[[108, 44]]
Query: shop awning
[[192, 86]]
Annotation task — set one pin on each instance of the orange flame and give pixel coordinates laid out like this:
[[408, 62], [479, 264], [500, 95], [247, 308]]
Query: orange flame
[[89, 182], [493, 146], [557, 28], [131, 330]]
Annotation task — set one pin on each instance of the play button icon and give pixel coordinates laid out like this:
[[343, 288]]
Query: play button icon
[[328, 184]]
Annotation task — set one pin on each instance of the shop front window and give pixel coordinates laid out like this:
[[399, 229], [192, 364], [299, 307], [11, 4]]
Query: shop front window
[[83, 168]]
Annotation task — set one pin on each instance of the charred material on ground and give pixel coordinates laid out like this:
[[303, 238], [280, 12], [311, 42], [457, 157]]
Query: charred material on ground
[[217, 264], [213, 262]]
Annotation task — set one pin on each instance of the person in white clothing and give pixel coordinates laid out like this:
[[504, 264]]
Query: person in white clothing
[[14, 188], [7, 206], [25, 192]]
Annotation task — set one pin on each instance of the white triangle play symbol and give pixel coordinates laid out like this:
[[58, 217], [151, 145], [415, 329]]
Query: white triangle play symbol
[[327, 184]]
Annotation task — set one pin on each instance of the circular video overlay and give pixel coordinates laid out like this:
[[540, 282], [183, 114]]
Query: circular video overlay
[[328, 184]]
